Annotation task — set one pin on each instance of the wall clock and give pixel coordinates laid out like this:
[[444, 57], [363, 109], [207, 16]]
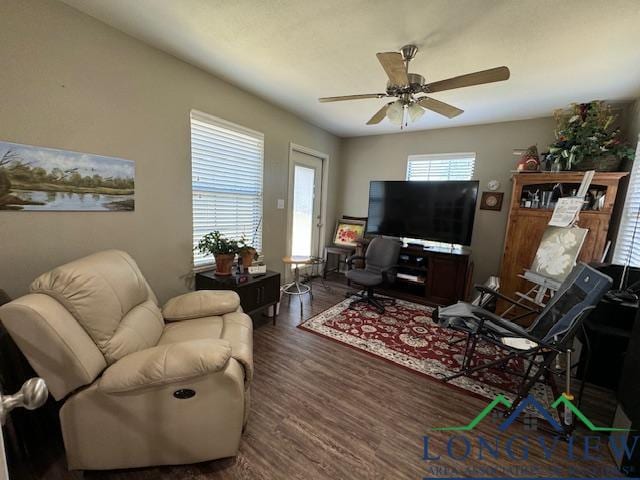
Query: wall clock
[[491, 201], [493, 185]]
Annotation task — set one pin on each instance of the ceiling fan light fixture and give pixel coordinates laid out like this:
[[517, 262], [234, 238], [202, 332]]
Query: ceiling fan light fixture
[[415, 112], [395, 112]]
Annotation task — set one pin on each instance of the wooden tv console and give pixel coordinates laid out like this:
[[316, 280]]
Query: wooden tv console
[[444, 274]]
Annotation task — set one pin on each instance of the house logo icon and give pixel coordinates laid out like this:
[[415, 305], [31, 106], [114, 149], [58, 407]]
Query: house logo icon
[[526, 406]]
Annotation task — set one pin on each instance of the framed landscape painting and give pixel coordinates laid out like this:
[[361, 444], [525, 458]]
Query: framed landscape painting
[[37, 178]]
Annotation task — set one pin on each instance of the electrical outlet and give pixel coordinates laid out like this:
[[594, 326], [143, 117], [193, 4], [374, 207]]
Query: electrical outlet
[[280, 204]]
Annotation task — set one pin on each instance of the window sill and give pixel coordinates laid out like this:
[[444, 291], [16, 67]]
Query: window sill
[[211, 266], [203, 268]]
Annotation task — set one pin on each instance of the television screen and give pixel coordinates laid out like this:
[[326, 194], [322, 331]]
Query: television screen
[[442, 211]]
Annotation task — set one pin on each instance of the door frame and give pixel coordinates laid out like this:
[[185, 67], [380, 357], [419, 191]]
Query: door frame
[[324, 158]]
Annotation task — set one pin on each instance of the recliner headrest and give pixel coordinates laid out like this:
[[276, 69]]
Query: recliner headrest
[[98, 290]]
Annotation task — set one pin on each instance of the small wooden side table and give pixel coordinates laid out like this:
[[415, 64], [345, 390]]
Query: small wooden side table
[[257, 292], [338, 252]]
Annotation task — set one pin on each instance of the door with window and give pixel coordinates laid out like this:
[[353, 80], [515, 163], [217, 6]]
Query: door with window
[[305, 203]]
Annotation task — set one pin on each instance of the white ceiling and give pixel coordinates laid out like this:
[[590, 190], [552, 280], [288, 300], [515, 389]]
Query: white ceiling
[[293, 51]]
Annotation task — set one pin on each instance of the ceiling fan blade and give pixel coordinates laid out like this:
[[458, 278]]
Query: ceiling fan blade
[[393, 64], [351, 97], [379, 115], [439, 107], [497, 74]]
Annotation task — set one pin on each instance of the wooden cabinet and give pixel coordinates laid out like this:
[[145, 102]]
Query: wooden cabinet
[[256, 292], [526, 225], [441, 276], [448, 277]]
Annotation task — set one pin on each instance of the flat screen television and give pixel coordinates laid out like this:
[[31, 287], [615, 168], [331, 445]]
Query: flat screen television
[[441, 211]]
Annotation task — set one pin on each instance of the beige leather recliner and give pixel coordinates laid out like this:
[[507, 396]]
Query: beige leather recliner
[[141, 386]]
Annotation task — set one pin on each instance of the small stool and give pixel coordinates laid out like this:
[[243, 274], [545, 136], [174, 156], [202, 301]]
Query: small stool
[[296, 287]]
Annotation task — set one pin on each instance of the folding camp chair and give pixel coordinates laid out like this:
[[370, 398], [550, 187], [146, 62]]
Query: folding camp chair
[[540, 344]]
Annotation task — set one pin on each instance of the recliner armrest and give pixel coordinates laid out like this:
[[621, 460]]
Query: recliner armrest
[[163, 364], [201, 303]]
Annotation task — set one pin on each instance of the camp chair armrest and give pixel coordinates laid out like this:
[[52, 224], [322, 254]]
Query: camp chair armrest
[[490, 291], [506, 324], [513, 328]]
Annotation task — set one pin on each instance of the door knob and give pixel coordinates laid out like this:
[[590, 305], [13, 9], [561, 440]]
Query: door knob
[[32, 395]]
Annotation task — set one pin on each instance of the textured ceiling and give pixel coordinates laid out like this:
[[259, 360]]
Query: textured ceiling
[[293, 51]]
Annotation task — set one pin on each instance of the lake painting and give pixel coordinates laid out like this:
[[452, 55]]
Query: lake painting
[[38, 178]]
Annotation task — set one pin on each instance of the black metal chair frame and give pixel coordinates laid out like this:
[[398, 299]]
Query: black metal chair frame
[[585, 356], [540, 357], [540, 361]]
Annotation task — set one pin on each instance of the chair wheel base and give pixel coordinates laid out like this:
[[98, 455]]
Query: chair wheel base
[[369, 299]]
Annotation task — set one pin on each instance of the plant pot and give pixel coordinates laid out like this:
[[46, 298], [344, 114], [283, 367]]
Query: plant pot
[[224, 263], [247, 256], [609, 163]]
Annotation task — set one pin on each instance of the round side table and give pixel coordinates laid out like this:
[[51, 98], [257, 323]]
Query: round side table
[[296, 287]]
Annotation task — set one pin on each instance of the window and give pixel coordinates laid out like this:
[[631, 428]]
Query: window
[[628, 241], [226, 178], [446, 166]]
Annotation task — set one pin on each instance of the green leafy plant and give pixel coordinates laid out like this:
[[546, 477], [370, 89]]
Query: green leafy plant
[[245, 248], [215, 243], [586, 131]]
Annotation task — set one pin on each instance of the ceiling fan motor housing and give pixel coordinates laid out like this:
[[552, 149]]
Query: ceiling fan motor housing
[[416, 82]]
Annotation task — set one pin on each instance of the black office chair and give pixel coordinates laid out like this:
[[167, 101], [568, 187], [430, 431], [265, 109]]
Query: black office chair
[[381, 260]]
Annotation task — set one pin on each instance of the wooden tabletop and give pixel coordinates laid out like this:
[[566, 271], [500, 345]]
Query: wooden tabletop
[[299, 260]]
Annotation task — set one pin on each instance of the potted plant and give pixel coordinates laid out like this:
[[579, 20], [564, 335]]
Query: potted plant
[[223, 249], [586, 138], [246, 252]]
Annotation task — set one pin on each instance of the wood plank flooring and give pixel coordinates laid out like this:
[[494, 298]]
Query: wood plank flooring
[[321, 410]]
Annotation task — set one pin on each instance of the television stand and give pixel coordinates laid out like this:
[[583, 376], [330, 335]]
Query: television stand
[[431, 276]]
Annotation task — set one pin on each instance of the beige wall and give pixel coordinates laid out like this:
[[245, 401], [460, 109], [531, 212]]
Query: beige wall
[[71, 82], [384, 157]]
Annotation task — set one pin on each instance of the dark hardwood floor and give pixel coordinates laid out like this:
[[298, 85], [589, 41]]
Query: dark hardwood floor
[[321, 410]]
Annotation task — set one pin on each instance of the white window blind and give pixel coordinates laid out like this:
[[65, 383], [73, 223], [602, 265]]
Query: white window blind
[[446, 166], [627, 247], [226, 172]]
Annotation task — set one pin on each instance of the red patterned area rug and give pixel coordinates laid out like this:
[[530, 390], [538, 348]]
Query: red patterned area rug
[[407, 336]]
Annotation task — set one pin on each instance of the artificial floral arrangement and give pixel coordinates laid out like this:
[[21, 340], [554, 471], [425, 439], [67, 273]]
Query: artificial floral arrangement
[[586, 138], [222, 248]]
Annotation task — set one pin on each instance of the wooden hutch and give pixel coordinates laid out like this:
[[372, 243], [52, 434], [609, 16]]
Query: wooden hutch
[[525, 226]]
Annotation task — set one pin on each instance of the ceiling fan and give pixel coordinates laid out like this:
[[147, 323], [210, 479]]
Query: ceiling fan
[[406, 86]]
